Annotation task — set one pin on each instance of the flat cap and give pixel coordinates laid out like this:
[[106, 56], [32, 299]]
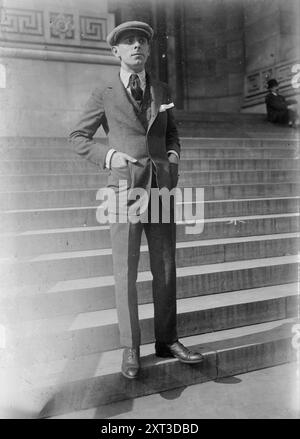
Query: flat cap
[[272, 83], [114, 35]]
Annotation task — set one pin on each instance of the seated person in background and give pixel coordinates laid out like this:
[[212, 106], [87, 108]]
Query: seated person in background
[[279, 109]]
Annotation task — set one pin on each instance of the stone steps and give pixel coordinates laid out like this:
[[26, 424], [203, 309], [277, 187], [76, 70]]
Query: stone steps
[[242, 142], [52, 299], [35, 242], [237, 279], [239, 153], [66, 385], [97, 331], [219, 116], [79, 166], [52, 267], [248, 130], [63, 217], [38, 142], [187, 179], [34, 153], [87, 197], [287, 138], [240, 125]]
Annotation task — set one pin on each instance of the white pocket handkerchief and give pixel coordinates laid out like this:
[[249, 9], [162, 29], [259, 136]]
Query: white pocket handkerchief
[[165, 107]]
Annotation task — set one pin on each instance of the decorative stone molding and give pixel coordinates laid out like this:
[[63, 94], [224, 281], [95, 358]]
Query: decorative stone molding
[[62, 25], [17, 22], [52, 55], [70, 28], [92, 29], [256, 82]]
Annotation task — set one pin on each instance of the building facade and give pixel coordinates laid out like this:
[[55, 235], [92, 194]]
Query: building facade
[[215, 54]]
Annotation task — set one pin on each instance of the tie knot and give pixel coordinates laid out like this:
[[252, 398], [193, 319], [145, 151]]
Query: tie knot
[[134, 80], [135, 87]]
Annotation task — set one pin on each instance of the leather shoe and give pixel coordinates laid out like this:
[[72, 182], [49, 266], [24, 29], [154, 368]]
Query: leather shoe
[[179, 351], [131, 362]]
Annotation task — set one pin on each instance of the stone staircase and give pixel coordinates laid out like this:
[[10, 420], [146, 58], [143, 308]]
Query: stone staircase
[[237, 280]]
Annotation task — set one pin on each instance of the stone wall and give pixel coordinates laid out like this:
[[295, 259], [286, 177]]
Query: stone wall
[[232, 47], [214, 54], [53, 53]]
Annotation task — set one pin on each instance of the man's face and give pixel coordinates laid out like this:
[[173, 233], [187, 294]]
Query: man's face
[[133, 50], [275, 88]]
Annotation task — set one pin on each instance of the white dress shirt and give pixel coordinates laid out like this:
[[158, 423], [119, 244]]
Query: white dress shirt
[[124, 76]]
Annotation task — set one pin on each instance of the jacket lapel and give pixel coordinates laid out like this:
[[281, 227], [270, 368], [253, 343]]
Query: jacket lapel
[[121, 99], [156, 100]]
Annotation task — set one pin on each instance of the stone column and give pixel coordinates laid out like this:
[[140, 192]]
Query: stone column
[[175, 50], [214, 55]]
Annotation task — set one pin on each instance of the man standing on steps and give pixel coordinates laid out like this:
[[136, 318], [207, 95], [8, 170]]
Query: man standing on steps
[[144, 150]]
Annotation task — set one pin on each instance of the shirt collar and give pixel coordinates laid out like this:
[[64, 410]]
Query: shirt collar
[[124, 75]]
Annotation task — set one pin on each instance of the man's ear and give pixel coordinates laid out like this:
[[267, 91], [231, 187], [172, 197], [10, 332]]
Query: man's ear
[[115, 51]]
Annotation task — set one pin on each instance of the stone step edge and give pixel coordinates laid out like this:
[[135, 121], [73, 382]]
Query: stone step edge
[[102, 318], [66, 230], [229, 200], [113, 357], [104, 138], [57, 151], [144, 248], [191, 144], [238, 142], [182, 159], [99, 140], [268, 139], [183, 172], [189, 153], [232, 352], [145, 276], [204, 341], [292, 182]]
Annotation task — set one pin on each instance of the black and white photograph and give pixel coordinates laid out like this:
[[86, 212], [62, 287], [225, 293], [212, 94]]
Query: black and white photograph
[[149, 213]]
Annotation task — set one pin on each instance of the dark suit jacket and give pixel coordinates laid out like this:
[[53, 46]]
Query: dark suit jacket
[[277, 110], [111, 107]]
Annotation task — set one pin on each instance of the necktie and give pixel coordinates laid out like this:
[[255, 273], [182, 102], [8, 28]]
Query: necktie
[[135, 87]]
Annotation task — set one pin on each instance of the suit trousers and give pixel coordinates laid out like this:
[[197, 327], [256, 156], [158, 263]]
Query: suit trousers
[[126, 242]]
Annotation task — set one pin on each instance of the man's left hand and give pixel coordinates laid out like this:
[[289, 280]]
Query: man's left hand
[[173, 158]]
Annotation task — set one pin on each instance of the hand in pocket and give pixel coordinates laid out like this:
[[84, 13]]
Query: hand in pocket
[[121, 159]]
